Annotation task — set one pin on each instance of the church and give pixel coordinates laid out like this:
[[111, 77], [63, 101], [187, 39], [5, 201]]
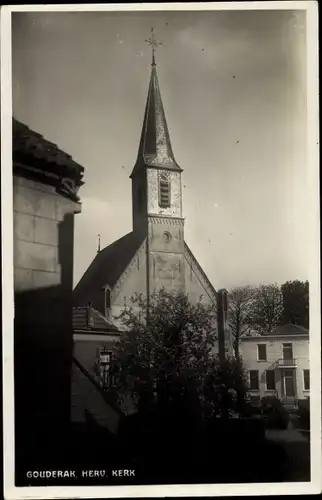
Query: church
[[153, 256]]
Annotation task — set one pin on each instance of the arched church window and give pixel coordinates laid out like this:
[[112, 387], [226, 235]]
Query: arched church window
[[167, 236], [107, 299], [164, 192]]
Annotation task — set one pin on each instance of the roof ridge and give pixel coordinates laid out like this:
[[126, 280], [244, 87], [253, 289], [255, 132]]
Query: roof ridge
[[199, 267], [52, 153], [107, 266], [155, 147], [101, 316], [128, 266], [115, 242]]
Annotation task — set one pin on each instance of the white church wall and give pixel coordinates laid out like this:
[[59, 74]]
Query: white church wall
[[195, 286], [133, 281]]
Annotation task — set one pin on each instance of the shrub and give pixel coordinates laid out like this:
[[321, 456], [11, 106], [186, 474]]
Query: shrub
[[274, 414], [304, 413]]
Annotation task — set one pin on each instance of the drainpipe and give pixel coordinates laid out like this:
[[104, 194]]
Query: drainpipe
[[222, 311]]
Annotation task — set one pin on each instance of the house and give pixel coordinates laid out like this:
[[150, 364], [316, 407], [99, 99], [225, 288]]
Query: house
[[93, 338], [278, 364]]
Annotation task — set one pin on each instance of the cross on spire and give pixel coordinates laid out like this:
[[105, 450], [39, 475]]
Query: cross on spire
[[154, 44]]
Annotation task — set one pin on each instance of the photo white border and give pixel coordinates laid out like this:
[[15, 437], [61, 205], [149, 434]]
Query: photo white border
[[297, 488]]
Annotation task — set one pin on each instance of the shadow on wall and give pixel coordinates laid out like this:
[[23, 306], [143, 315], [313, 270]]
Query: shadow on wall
[[42, 360]]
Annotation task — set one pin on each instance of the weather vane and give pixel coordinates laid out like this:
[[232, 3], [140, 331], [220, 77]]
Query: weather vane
[[154, 44]]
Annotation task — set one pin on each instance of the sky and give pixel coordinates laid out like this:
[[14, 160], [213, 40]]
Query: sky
[[233, 85]]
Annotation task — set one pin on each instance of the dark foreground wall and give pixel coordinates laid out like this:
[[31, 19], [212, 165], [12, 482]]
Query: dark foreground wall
[[43, 273]]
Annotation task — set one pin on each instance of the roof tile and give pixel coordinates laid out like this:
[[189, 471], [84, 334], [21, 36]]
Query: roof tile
[[88, 318], [107, 267]]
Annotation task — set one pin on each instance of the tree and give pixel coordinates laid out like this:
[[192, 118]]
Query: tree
[[296, 302], [165, 340], [225, 387], [166, 352], [240, 301], [267, 308]]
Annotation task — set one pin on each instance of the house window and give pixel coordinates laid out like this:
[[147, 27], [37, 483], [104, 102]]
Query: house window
[[287, 351], [107, 298], [164, 192], [261, 352], [105, 369], [306, 377], [270, 380], [253, 380]]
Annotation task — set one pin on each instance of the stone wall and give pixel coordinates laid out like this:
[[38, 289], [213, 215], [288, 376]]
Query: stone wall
[[43, 278], [132, 281], [38, 215]]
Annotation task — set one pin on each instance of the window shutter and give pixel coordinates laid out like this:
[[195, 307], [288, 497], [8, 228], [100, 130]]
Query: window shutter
[[164, 193]]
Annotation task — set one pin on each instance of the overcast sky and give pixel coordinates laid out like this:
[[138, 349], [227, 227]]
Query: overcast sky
[[233, 89]]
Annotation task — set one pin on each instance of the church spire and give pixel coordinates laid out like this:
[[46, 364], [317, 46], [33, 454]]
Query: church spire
[[155, 148], [154, 44]]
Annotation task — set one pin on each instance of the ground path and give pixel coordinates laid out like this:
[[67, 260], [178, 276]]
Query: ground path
[[296, 444]]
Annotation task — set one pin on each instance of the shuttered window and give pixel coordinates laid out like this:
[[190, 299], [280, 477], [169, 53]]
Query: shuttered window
[[164, 193]]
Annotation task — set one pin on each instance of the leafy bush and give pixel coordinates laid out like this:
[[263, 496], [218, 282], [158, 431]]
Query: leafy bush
[[274, 414], [304, 413]]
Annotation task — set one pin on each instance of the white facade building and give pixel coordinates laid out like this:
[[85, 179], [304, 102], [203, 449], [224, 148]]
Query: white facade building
[[278, 364]]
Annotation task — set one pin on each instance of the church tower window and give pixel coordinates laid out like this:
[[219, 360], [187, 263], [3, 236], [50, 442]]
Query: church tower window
[[164, 192]]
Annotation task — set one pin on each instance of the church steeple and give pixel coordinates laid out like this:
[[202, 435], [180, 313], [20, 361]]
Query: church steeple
[[155, 148], [156, 177]]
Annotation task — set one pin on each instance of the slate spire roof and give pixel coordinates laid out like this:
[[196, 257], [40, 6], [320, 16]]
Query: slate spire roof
[[107, 267], [155, 146]]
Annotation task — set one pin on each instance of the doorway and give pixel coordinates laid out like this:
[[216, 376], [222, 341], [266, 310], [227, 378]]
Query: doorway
[[289, 383]]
